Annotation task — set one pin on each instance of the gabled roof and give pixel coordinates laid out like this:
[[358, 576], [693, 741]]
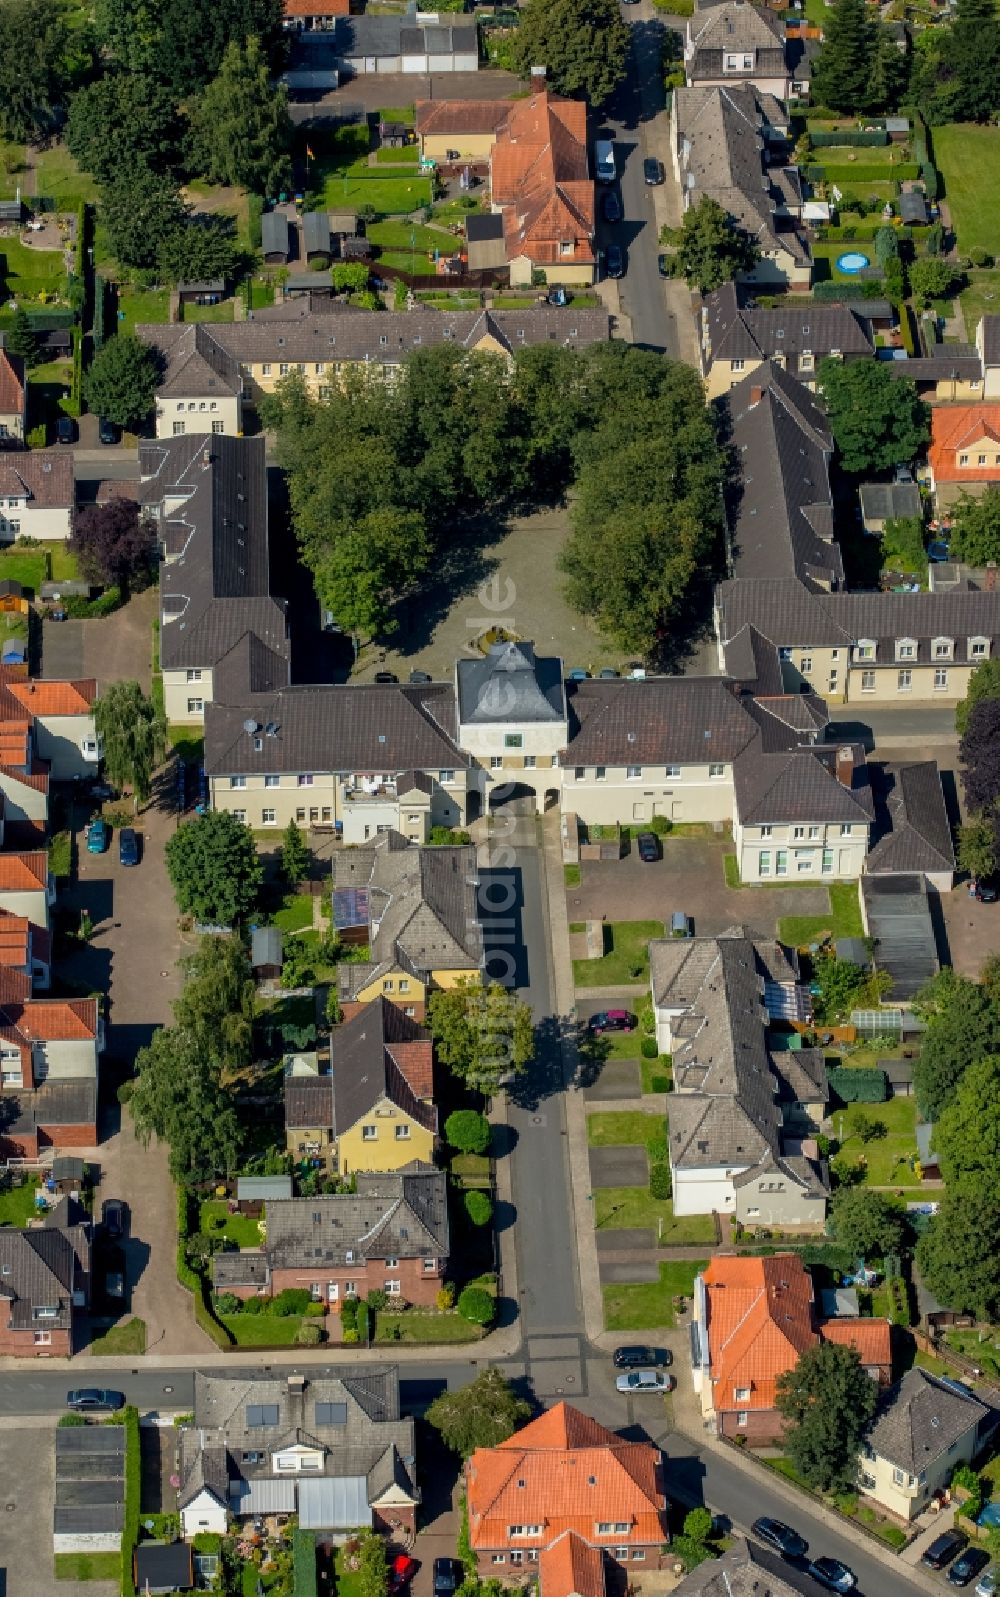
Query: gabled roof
[[918, 835], [735, 28], [37, 1270], [24, 873], [12, 384], [739, 329], [953, 427], [510, 684], [760, 1322], [920, 1419], [44, 477], [381, 1053], [871, 1339], [422, 902], [540, 180], [403, 1215], [571, 1567], [659, 720], [195, 361], [460, 116], [802, 785], [43, 697]]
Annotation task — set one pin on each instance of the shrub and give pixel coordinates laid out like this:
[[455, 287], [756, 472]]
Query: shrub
[[660, 825], [293, 1300], [445, 1298], [468, 1131], [478, 1207], [316, 1310], [659, 1181], [309, 1334], [71, 1419], [657, 1150], [226, 1303], [349, 1314], [980, 257], [125, 1091], [476, 1305], [648, 1048], [377, 1299], [364, 1323]]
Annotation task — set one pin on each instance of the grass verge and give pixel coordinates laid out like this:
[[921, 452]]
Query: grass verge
[[121, 1341], [649, 1305], [629, 1127], [626, 957], [622, 1208], [844, 919], [88, 1566]]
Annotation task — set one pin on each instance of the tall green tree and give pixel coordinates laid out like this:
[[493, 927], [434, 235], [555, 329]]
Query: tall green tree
[[193, 36], [877, 420], [130, 732], [215, 869], [34, 47], [826, 1401], [858, 67], [240, 124], [978, 845], [123, 119], [967, 1134], [217, 1001], [483, 1035], [973, 57], [958, 1256], [369, 566], [178, 1098], [963, 1019], [201, 248], [482, 1414], [128, 33], [21, 339], [140, 208], [931, 277], [122, 380], [294, 854], [975, 533], [713, 249], [984, 683], [583, 45], [866, 1222]]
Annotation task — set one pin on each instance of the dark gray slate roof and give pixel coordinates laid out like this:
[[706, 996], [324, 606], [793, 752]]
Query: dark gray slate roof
[[510, 684], [369, 1059], [37, 1271], [991, 339], [801, 785], [899, 919], [309, 1103], [735, 27], [396, 35], [422, 902], [920, 1418], [673, 720], [316, 232], [739, 329], [239, 1269], [480, 228], [274, 233], [403, 1215], [747, 1570], [916, 833], [948, 362], [164, 1566], [90, 1479], [265, 946], [780, 509], [882, 500], [912, 206]]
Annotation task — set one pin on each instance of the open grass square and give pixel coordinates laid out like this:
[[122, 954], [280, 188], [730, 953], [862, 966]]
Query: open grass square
[[28, 273], [262, 1330], [614, 1128], [122, 1341], [61, 180], [626, 958], [649, 1304], [88, 1566], [215, 1220], [657, 1074], [968, 158], [886, 1156], [844, 919], [628, 1208], [295, 914], [225, 311], [17, 1206], [415, 1327], [29, 567], [142, 305], [981, 298]]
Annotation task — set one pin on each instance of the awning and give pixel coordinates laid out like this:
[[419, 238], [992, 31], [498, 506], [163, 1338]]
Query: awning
[[787, 1001], [334, 1504]]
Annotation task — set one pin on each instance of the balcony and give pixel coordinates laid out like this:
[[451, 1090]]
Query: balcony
[[370, 791]]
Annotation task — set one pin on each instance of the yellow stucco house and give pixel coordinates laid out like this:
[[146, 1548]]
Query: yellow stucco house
[[373, 1110], [923, 1431]]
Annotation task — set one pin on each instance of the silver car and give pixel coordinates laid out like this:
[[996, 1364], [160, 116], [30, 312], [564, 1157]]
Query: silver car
[[986, 1585], [645, 1381]]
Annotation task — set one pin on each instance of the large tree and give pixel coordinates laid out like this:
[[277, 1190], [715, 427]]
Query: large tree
[[217, 1001], [866, 1222], [33, 67], [967, 1134], [963, 1019], [877, 420], [978, 844], [958, 1255], [826, 1401], [140, 208], [975, 527], [979, 753], [201, 248], [128, 33], [369, 566], [120, 120], [194, 34], [122, 381], [241, 127], [931, 277], [583, 45], [482, 1414], [712, 248], [130, 732], [984, 683], [22, 340], [215, 869], [178, 1097], [843, 65], [972, 55], [483, 1035], [115, 544]]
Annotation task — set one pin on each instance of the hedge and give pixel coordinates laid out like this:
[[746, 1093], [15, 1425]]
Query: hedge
[[859, 1086], [844, 293], [255, 210], [304, 1563], [100, 306], [74, 403], [863, 228], [906, 330], [858, 140], [133, 1479], [192, 1281], [659, 1181], [901, 172]]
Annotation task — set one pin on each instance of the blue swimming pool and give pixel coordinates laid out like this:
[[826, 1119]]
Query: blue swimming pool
[[852, 261]]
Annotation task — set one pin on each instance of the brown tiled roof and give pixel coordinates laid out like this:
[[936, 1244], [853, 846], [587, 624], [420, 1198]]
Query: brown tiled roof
[[43, 697], [659, 720], [872, 1339], [11, 384], [44, 475], [460, 116], [24, 873], [918, 837], [571, 1567], [540, 178]]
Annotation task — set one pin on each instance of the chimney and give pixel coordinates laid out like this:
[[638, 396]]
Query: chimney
[[756, 395], [206, 457], [538, 76], [296, 1383], [845, 765], [990, 578]]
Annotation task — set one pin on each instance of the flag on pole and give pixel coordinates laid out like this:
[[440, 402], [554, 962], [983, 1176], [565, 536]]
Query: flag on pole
[[309, 154]]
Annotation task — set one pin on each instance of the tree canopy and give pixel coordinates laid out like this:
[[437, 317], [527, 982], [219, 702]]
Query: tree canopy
[[115, 545], [975, 529], [826, 1400], [34, 70], [482, 1034], [124, 116], [984, 683], [866, 1222], [712, 249], [131, 734], [217, 1000], [482, 1414], [858, 67], [122, 380], [215, 869], [967, 1133], [963, 1018], [979, 844], [583, 45], [958, 1255], [877, 420], [979, 753], [240, 123], [179, 1098]]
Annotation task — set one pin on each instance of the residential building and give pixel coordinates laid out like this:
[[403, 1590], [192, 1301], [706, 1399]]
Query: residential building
[[801, 811], [13, 401], [374, 1110], [363, 45], [313, 15], [964, 452], [58, 715], [862, 647], [512, 720], [89, 1509], [753, 1320], [333, 1450], [37, 495], [418, 911], [390, 1234], [988, 348], [540, 184], [237, 362], [736, 44], [49, 1051], [889, 501], [727, 144], [913, 832], [459, 130], [571, 1567], [746, 1569], [27, 886], [25, 956], [896, 916], [737, 336], [44, 1279], [207, 495], [923, 1430], [779, 509], [529, 1492], [742, 1113]]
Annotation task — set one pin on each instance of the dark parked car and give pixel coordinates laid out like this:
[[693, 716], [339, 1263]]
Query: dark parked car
[[612, 1020], [386, 676], [639, 1358], [968, 1565], [652, 171], [943, 1549], [615, 261], [664, 264], [107, 432], [611, 206], [84, 1398], [65, 430], [418, 678], [114, 1216], [832, 1574], [647, 848], [401, 1571], [578, 674], [986, 890], [557, 297], [447, 1576], [128, 846], [775, 1533], [607, 673]]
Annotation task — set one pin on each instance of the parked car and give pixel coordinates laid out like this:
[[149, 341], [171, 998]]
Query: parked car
[[775, 1533], [986, 889], [102, 791], [98, 836], [986, 1585], [680, 924], [968, 1565], [447, 1576], [647, 847], [84, 1398], [612, 1020], [832, 1574], [55, 615], [401, 1571], [902, 473], [386, 676], [652, 171], [614, 261], [418, 678], [611, 206], [65, 430], [128, 846], [607, 673], [557, 297], [114, 1284], [107, 432], [645, 1381], [637, 1358], [114, 1217], [578, 674], [663, 265], [943, 1549]]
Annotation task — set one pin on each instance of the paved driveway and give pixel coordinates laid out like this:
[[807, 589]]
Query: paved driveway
[[114, 648], [27, 1493]]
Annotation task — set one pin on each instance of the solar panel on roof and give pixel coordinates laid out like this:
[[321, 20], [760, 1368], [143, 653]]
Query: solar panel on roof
[[350, 906]]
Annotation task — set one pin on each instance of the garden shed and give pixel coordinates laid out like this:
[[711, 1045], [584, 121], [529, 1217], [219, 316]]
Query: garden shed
[[274, 238], [266, 955]]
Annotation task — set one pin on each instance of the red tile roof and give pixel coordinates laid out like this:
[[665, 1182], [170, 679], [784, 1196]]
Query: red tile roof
[[571, 1568], [540, 177], [416, 1061], [51, 1020], [872, 1338], [11, 384], [51, 698], [955, 427], [317, 8], [24, 872], [759, 1322]]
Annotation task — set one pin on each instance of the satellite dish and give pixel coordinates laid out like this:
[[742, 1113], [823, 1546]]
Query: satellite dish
[[250, 727]]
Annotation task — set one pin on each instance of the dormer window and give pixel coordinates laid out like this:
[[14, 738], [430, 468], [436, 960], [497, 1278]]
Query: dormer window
[[943, 648], [865, 649], [979, 648], [906, 649]]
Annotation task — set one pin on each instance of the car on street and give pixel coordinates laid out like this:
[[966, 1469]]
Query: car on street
[[612, 1020], [98, 836], [664, 264], [114, 1217], [647, 848], [401, 1571], [986, 1585], [832, 1574], [614, 261], [65, 430], [448, 1576], [652, 171], [943, 1549], [775, 1533], [645, 1381], [968, 1565], [84, 1398], [611, 206], [128, 846], [107, 432], [638, 1358]]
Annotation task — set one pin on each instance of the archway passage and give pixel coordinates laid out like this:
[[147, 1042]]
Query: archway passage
[[514, 798]]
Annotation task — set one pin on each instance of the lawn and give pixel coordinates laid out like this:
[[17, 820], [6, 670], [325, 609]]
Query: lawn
[[340, 177], [142, 305], [296, 913], [29, 567], [844, 919], [63, 565], [629, 1126], [884, 1156], [60, 179], [29, 274], [985, 1354], [571, 875], [262, 1330], [17, 1205], [968, 158], [657, 1074], [13, 630], [88, 1566], [829, 253], [409, 155], [845, 156], [404, 114], [472, 1169], [49, 388], [225, 311], [849, 1505], [184, 743], [626, 957], [649, 1305], [981, 298], [407, 236], [448, 211], [415, 1327], [621, 1208], [215, 1220], [122, 1341], [348, 1581], [11, 167]]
